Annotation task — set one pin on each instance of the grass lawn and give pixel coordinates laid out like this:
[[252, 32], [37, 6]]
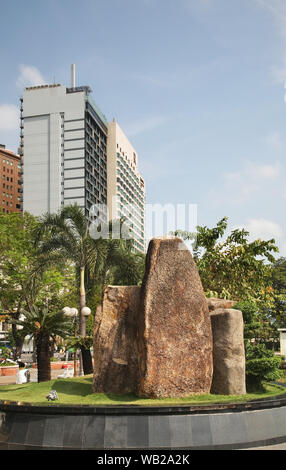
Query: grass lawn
[[78, 391]]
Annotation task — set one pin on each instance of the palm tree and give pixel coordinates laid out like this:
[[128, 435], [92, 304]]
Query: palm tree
[[66, 235], [116, 261], [44, 327]]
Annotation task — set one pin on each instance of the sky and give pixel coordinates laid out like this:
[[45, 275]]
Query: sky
[[198, 86]]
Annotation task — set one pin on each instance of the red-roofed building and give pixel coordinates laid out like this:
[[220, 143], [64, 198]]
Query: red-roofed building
[[11, 182]]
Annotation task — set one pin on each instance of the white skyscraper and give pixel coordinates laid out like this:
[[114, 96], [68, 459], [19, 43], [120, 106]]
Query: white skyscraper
[[125, 185], [64, 149], [71, 154]]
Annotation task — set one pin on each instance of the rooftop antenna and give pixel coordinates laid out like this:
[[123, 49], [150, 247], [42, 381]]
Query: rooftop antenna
[[72, 75]]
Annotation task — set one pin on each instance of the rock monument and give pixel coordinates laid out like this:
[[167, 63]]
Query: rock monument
[[174, 337], [165, 339], [156, 340], [228, 352], [114, 351]]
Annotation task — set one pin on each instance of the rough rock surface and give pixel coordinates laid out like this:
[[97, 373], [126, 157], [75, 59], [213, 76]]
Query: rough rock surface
[[115, 357], [174, 329], [214, 303], [228, 352]]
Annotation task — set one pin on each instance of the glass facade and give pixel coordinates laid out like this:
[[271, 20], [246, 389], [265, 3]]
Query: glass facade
[[95, 159], [131, 199]]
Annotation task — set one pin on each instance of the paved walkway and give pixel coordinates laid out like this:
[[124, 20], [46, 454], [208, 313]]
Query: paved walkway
[[10, 380]]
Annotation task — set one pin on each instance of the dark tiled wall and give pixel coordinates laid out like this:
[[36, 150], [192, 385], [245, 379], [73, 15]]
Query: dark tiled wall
[[20, 430]]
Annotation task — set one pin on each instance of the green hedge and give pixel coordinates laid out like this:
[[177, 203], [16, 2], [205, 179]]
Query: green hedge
[[261, 365]]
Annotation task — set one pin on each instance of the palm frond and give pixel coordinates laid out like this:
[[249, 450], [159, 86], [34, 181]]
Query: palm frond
[[41, 321], [75, 217]]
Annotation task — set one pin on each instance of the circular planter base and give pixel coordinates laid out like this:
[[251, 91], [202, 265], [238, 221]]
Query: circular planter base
[[231, 426]]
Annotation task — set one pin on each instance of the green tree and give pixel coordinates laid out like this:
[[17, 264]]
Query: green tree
[[258, 324], [96, 260], [16, 259], [117, 262], [26, 278], [44, 327], [279, 285], [232, 266], [65, 235]]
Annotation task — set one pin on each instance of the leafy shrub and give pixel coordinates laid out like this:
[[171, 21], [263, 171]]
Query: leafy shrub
[[5, 352], [261, 366], [7, 364]]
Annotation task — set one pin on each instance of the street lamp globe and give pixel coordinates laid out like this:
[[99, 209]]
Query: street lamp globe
[[67, 311], [85, 311]]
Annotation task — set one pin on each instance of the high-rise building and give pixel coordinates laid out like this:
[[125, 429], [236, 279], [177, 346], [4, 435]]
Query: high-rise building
[[63, 143], [125, 185], [71, 154], [11, 181]]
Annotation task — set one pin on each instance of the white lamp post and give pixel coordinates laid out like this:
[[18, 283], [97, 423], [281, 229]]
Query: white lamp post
[[72, 312], [85, 312]]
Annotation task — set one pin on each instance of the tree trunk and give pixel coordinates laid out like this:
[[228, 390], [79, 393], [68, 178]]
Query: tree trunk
[[82, 303], [34, 355], [87, 361], [85, 353], [43, 358], [18, 337], [19, 341]]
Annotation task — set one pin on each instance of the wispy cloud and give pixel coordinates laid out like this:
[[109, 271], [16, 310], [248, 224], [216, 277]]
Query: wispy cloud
[[277, 8], [29, 76], [275, 140], [243, 185], [9, 117], [145, 124], [263, 229], [279, 72]]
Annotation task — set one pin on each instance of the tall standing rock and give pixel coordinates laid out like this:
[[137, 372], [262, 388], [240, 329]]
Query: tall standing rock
[[228, 352], [174, 337], [115, 356]]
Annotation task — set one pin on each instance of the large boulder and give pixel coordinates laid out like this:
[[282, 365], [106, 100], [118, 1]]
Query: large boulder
[[228, 352], [115, 356], [174, 337]]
